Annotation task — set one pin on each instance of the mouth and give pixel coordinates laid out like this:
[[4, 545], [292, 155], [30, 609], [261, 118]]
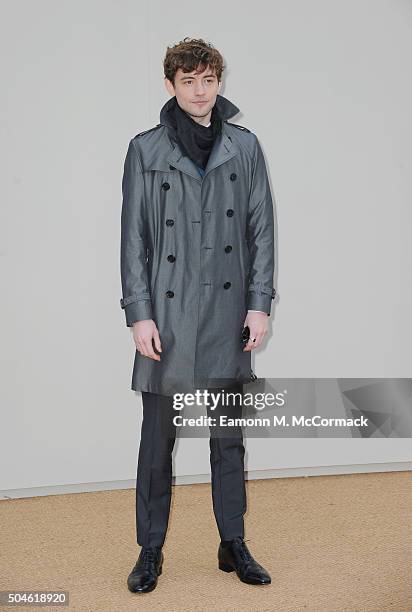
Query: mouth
[[202, 102]]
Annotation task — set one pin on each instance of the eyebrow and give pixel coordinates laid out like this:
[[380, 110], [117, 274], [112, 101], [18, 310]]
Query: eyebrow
[[192, 77]]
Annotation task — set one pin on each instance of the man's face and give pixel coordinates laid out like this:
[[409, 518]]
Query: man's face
[[195, 92]]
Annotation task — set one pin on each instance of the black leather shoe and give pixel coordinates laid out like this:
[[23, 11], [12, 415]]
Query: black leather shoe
[[236, 557], [143, 577]]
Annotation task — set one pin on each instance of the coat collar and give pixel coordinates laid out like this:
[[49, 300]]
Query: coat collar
[[225, 107], [223, 148]]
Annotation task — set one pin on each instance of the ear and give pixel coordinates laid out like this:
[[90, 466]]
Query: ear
[[169, 86]]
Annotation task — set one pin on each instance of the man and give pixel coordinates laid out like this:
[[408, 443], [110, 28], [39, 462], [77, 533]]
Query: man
[[197, 267]]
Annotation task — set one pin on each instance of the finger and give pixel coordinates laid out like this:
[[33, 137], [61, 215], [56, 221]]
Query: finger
[[145, 346], [137, 340], [157, 341], [258, 341], [149, 352], [249, 345], [142, 345], [259, 337], [254, 341], [143, 350]]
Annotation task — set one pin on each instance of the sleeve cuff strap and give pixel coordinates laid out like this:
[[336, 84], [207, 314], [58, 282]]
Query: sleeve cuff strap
[[138, 311]]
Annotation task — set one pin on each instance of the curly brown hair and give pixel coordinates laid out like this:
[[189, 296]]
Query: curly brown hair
[[190, 54]]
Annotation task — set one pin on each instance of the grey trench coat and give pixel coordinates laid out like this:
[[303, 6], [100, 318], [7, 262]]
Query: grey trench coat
[[196, 253]]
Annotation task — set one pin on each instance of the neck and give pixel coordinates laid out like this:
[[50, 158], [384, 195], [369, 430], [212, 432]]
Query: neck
[[202, 120]]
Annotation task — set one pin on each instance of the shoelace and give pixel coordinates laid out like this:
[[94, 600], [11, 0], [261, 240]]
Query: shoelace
[[149, 556], [243, 549]]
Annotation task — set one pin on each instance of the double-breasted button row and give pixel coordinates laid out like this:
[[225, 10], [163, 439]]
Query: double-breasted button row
[[229, 213], [171, 294], [232, 177], [166, 187]]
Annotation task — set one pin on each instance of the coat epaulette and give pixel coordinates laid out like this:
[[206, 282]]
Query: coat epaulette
[[241, 127], [151, 129]]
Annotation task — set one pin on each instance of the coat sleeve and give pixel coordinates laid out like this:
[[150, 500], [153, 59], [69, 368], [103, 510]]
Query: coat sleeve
[[261, 226], [136, 300]]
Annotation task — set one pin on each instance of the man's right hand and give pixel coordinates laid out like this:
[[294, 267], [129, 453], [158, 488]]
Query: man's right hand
[[144, 332]]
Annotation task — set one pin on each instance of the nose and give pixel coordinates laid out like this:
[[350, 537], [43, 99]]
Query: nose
[[199, 89]]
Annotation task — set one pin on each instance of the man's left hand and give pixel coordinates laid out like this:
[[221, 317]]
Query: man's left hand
[[258, 325]]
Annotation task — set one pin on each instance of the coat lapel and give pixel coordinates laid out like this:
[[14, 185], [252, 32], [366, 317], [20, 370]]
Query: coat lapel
[[179, 161], [223, 150]]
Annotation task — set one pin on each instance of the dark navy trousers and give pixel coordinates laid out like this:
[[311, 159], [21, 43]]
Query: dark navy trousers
[[154, 469]]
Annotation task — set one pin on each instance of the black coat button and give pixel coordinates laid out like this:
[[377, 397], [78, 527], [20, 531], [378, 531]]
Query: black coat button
[[228, 248], [229, 212], [233, 176], [165, 186], [170, 222], [172, 168], [171, 258], [169, 294], [226, 285]]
